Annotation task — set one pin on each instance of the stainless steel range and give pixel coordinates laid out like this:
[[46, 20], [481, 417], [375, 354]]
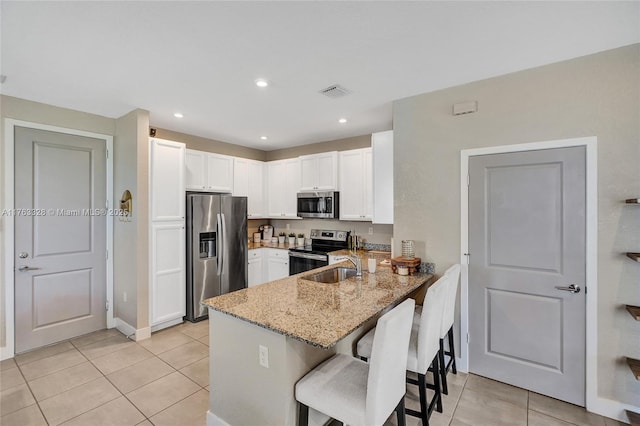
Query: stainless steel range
[[302, 259]]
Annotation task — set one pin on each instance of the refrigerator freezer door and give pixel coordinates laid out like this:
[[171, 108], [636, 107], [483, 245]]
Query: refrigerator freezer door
[[203, 280], [234, 237]]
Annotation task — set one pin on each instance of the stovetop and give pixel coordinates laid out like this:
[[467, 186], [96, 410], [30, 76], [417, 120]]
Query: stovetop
[[325, 241]]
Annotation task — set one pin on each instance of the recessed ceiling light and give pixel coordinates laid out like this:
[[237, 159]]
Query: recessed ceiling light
[[178, 115], [261, 82], [264, 138], [342, 120]]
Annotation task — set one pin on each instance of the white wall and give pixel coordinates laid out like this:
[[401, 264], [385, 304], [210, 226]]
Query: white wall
[[596, 95]]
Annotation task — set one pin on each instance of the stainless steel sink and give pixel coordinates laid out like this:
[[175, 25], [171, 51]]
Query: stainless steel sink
[[331, 276]]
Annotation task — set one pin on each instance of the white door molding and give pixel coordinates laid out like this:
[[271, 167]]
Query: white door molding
[[593, 402], [8, 172]]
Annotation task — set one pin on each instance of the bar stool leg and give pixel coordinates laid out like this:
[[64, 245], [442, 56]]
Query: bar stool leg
[[424, 408], [452, 351], [400, 414], [303, 415], [443, 368], [436, 385]]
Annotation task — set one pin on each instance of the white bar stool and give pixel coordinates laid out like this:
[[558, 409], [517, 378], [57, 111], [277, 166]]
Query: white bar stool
[[453, 274], [354, 392], [423, 348]]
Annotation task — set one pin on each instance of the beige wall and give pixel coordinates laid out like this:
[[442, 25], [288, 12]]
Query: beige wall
[[355, 142], [211, 145], [131, 239], [596, 95], [35, 112]]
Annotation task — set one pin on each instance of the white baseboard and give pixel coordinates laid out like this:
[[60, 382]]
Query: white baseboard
[[612, 409], [166, 324], [6, 352], [129, 330], [213, 420]]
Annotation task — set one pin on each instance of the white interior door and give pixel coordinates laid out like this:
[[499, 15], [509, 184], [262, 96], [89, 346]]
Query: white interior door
[[527, 234], [60, 236]]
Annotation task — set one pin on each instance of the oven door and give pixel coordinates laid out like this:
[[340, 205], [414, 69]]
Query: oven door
[[302, 262]]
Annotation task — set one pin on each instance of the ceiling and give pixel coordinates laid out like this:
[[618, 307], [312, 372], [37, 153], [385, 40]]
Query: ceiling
[[202, 58]]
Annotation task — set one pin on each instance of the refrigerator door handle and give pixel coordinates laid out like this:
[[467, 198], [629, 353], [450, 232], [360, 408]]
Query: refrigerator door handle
[[219, 244], [224, 240]]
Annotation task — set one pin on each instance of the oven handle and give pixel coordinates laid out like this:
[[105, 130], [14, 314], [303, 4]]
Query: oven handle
[[309, 256]]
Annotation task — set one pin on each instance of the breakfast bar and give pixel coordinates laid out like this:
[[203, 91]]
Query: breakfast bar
[[265, 338]]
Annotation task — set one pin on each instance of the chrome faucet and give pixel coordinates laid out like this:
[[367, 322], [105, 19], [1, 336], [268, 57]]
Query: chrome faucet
[[356, 260]]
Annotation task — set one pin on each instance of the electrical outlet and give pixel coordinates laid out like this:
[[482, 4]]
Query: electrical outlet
[[288, 226], [263, 352], [371, 230], [124, 296]]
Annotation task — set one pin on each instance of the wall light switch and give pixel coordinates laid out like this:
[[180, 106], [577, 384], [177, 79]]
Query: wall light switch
[[263, 353], [124, 296], [371, 230]]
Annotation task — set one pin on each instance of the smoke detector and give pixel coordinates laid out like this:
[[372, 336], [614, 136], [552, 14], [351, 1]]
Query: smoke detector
[[334, 91]]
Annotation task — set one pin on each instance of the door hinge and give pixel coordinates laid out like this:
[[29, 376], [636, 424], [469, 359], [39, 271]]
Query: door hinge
[[467, 180], [467, 255], [585, 289], [107, 153], [107, 254], [467, 337], [106, 307]]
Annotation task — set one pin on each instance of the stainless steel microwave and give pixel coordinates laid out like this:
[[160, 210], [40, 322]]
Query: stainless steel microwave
[[323, 205]]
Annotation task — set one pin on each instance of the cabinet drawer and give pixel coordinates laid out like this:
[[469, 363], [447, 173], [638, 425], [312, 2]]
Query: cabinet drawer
[[254, 253], [279, 254]]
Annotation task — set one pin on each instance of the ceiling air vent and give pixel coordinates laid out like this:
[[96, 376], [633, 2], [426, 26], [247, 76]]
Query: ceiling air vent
[[334, 91]]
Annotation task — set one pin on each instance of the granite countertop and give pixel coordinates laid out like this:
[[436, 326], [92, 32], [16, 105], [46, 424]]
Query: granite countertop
[[316, 313]]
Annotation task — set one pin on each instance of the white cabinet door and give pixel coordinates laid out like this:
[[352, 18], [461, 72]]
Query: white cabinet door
[[196, 170], [367, 176], [167, 164], [283, 182], [319, 171], [248, 181], [255, 270], [355, 185], [277, 264], [382, 147], [167, 298], [219, 173]]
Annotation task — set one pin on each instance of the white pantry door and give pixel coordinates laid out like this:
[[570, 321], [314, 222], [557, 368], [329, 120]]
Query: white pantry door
[[60, 248], [527, 230]]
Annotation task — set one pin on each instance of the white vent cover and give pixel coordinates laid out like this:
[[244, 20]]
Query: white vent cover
[[334, 91]]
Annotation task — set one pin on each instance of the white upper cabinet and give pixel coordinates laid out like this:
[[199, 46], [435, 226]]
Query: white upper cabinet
[[196, 170], [219, 173], [382, 146], [319, 172], [248, 181], [208, 172], [356, 180], [283, 183], [167, 180]]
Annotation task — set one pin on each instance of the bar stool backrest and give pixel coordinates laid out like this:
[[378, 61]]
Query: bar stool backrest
[[388, 363]]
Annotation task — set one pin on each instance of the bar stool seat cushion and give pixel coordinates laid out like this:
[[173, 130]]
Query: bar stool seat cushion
[[337, 386]]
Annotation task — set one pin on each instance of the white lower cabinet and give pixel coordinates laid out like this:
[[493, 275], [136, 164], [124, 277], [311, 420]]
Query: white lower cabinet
[[255, 271], [277, 264], [168, 298], [267, 264]]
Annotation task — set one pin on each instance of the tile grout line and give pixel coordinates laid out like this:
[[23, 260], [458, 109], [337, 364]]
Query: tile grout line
[[26, 382], [453, 413]]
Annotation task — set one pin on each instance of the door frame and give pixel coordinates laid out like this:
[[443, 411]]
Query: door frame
[[591, 354], [8, 248]]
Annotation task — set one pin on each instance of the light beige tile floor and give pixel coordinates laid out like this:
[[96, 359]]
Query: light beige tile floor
[[104, 379]]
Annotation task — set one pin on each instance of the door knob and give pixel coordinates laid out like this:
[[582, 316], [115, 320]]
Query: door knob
[[23, 255], [572, 288], [25, 268]]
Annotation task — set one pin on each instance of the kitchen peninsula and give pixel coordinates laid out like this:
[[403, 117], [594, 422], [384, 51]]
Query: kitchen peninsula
[[265, 338]]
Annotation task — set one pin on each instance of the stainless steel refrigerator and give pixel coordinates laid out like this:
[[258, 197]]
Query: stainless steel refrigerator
[[216, 248]]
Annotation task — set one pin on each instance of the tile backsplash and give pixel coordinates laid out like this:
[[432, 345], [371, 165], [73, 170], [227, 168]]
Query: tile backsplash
[[382, 234]]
